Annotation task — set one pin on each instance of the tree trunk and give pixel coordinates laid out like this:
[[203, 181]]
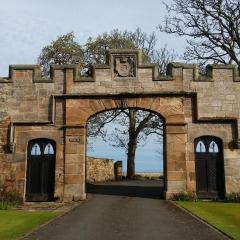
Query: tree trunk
[[131, 159], [132, 144]]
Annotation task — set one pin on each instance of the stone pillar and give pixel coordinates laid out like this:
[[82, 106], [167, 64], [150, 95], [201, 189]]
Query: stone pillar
[[74, 172], [231, 169], [175, 169], [190, 167], [118, 170]]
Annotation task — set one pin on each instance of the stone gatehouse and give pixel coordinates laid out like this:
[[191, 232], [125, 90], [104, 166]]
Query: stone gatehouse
[[43, 124]]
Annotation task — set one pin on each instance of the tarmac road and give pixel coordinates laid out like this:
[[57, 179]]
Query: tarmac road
[[126, 210]]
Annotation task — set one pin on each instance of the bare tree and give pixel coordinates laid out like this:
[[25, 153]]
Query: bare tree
[[144, 41], [132, 127], [211, 28], [162, 57]]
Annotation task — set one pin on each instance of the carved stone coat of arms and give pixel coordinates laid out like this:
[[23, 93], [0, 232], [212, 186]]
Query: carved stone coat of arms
[[124, 66]]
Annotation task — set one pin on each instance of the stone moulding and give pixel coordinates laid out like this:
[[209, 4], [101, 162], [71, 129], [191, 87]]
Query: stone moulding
[[37, 75]]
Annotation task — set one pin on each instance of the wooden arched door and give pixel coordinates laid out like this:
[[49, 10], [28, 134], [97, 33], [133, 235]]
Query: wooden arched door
[[40, 170], [209, 167]]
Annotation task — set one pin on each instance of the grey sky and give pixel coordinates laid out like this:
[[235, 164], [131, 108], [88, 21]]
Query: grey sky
[[26, 26], [29, 25]]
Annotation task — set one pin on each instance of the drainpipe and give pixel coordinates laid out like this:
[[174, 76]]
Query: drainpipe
[[11, 140]]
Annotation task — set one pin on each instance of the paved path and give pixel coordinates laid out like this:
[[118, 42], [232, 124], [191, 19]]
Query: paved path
[[123, 211]]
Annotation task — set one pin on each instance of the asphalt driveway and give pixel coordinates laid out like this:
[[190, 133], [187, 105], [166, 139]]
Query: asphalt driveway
[[126, 210]]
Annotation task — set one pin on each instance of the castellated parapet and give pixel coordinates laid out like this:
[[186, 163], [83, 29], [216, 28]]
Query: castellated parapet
[[58, 108]]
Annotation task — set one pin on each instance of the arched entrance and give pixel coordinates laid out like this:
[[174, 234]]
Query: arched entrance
[[40, 170], [127, 132], [209, 167], [80, 109]]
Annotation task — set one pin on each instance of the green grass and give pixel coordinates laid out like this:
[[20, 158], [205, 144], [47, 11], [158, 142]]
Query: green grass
[[14, 223], [224, 216]]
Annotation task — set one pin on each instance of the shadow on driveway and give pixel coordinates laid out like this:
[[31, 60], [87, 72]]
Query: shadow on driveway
[[142, 189]]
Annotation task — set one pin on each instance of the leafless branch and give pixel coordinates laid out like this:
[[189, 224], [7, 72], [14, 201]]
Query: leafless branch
[[211, 28]]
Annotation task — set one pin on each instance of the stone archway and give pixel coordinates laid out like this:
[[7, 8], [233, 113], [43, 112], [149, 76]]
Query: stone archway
[[79, 110], [125, 143]]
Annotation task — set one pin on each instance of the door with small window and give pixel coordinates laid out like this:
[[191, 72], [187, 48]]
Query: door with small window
[[40, 170], [209, 167]]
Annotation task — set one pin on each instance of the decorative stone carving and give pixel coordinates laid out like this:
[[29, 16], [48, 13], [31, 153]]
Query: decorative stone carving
[[124, 66]]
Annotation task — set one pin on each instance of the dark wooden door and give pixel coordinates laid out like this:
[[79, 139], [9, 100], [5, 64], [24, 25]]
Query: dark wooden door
[[209, 167], [40, 170]]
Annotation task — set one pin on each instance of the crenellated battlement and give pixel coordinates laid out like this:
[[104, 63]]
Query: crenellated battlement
[[211, 71], [127, 64]]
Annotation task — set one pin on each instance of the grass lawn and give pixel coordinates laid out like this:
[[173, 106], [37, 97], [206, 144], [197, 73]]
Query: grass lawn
[[14, 223], [224, 216]]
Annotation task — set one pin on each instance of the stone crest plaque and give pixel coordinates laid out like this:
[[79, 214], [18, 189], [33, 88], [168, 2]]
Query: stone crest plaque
[[124, 66]]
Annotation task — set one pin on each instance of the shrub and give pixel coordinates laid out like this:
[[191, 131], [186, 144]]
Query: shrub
[[156, 178], [184, 196], [138, 177], [8, 199], [4, 205], [146, 177], [232, 197]]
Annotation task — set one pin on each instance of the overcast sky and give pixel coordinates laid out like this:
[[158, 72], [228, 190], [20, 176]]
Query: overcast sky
[[26, 26]]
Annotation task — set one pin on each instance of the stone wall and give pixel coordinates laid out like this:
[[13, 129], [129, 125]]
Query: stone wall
[[58, 108], [7, 175], [99, 170]]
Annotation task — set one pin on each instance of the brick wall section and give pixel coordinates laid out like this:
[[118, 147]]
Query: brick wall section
[[99, 170]]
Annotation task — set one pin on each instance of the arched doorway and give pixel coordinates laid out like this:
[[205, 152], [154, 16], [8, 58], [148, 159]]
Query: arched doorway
[[209, 167], [40, 170]]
